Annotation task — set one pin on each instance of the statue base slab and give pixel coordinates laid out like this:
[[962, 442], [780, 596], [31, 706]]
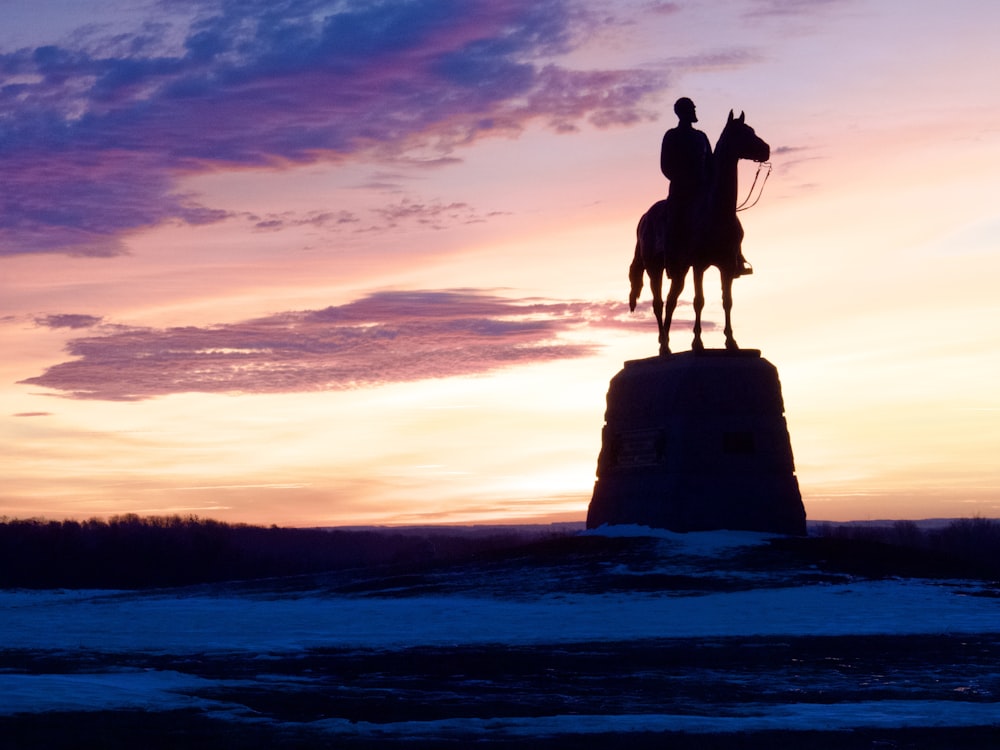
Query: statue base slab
[[697, 441]]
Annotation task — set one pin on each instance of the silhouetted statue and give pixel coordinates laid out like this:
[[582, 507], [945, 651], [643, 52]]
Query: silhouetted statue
[[685, 160], [696, 226]]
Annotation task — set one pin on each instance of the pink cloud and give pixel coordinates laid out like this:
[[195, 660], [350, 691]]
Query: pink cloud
[[382, 338]]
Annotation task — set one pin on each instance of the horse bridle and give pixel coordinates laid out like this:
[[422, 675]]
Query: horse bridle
[[746, 201]]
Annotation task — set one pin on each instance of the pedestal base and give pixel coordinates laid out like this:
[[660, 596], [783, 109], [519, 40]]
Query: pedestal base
[[697, 441]]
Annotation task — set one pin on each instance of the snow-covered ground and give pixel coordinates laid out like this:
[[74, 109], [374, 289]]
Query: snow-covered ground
[[179, 623], [261, 623], [159, 691]]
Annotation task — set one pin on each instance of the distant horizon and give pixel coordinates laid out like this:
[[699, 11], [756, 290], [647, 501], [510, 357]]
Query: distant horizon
[[540, 523]]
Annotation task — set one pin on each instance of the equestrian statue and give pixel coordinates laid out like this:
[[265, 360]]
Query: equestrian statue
[[696, 225]]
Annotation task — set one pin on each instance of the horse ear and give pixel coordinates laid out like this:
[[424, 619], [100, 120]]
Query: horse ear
[[730, 115], [743, 116]]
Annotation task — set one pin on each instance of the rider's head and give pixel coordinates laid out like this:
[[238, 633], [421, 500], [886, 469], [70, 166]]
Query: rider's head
[[684, 109]]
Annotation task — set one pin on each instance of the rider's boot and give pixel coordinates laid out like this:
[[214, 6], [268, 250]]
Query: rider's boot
[[743, 267]]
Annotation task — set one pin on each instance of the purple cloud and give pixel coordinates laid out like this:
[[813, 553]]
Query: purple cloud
[[96, 132], [385, 337]]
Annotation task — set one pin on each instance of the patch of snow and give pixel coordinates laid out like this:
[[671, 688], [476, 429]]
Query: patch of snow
[[698, 543], [145, 689], [747, 718], [180, 622]]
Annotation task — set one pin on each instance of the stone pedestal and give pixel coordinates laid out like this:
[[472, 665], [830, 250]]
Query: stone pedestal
[[697, 441]]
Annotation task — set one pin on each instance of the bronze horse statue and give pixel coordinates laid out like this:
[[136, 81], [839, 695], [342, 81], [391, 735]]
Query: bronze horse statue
[[717, 236]]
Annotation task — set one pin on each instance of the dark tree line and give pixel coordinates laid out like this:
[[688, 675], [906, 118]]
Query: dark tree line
[[144, 552], [138, 552], [966, 546]]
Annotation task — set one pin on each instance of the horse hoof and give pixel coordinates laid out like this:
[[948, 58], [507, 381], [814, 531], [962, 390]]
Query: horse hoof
[[664, 350], [732, 345], [697, 346]]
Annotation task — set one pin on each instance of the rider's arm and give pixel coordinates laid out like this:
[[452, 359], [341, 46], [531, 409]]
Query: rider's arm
[[666, 162]]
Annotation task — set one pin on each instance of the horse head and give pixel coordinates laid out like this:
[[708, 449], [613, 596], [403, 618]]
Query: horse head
[[741, 141]]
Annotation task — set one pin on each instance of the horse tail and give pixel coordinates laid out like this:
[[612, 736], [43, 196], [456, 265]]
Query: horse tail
[[635, 272]]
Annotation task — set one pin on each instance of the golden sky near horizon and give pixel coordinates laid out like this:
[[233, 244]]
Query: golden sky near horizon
[[314, 263]]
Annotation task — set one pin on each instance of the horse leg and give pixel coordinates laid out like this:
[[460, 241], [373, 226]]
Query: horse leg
[[727, 306], [656, 288], [699, 304], [673, 294]]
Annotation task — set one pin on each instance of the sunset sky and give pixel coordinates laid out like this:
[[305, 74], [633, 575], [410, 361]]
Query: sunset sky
[[336, 262]]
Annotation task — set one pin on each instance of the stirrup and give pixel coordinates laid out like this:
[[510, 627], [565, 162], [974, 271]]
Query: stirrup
[[745, 268]]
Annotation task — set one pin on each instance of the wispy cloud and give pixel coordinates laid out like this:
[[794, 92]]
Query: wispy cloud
[[430, 214], [382, 338], [403, 214], [68, 320], [96, 131], [662, 8], [787, 8], [729, 59], [274, 222]]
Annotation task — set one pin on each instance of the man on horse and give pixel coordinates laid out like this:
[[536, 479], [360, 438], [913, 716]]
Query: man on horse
[[686, 160]]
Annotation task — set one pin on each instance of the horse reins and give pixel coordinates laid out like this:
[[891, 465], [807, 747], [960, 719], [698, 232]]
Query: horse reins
[[746, 201]]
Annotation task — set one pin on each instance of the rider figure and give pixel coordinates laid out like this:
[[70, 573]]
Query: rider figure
[[686, 160]]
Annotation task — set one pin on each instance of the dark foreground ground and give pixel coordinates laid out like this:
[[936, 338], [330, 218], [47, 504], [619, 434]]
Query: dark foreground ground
[[491, 696], [681, 677], [131, 730]]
